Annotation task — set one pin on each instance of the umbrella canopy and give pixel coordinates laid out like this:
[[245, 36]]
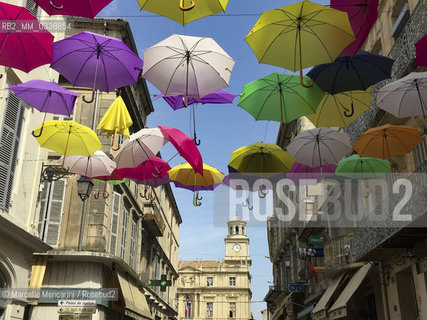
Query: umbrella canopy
[[46, 96], [185, 147], [320, 146], [356, 167], [421, 51], [153, 182], [80, 8], [263, 159], [116, 120], [352, 73], [279, 97], [152, 168], [114, 178], [300, 35], [94, 61], [339, 110], [196, 188], [406, 97], [23, 50], [387, 141], [301, 171], [185, 174], [187, 66], [220, 96], [141, 146], [234, 179], [184, 11], [94, 165], [362, 15]]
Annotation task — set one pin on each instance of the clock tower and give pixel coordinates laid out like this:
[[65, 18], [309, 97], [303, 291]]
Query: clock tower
[[236, 242]]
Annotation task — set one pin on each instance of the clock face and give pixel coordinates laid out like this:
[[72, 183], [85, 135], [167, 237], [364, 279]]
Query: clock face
[[236, 248]]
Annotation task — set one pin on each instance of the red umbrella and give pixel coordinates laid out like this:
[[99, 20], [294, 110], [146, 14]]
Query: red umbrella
[[185, 147], [80, 8], [20, 48], [362, 15], [421, 48]]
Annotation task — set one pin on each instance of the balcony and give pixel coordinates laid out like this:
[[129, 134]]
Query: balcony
[[339, 254], [152, 220], [272, 294]]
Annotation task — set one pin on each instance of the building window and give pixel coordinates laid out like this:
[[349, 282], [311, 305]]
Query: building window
[[133, 237], [209, 281], [187, 309], [3, 304], [115, 222], [232, 310], [237, 230], [124, 233], [30, 5], [421, 152], [232, 281], [209, 309]]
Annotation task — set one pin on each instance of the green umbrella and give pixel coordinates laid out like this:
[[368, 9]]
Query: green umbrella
[[356, 167], [280, 97]]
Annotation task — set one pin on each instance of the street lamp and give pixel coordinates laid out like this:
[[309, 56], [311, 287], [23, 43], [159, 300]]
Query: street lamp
[[84, 186]]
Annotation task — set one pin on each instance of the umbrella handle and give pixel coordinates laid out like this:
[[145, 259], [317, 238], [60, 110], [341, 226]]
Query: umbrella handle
[[55, 6], [196, 200], [196, 141], [91, 99], [112, 144], [261, 193], [348, 115], [246, 204], [105, 194], [38, 135], [96, 195], [302, 81], [181, 5]]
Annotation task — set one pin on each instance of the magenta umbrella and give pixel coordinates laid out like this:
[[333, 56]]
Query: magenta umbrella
[[80, 8], [220, 96], [154, 182], [19, 48], [421, 48], [152, 168], [185, 147], [362, 15], [300, 171]]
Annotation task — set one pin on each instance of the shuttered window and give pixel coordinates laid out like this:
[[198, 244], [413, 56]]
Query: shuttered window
[[124, 229], [114, 222], [9, 145], [30, 5], [133, 239], [51, 210], [421, 152]]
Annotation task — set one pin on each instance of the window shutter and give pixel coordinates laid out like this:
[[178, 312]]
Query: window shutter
[[43, 200], [421, 152], [30, 5], [9, 145], [55, 212], [124, 229], [114, 222]]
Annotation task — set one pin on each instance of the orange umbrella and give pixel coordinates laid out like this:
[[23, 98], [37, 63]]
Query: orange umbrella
[[387, 141]]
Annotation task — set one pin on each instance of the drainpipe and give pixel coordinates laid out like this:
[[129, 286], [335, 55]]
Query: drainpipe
[[384, 292]]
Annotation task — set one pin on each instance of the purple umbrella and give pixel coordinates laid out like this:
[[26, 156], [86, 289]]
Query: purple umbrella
[[80, 8], [94, 61], [196, 188], [220, 96], [421, 48], [300, 171], [154, 182]]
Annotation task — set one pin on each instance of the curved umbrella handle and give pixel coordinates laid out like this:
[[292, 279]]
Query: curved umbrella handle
[[112, 144], [1, 76], [96, 195], [55, 6], [261, 193], [64, 170], [348, 115], [246, 204], [38, 135], [105, 194], [91, 99], [196, 199], [302, 81], [196, 141], [181, 5]]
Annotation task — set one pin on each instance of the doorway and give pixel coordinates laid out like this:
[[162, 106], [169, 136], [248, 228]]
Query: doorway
[[407, 295]]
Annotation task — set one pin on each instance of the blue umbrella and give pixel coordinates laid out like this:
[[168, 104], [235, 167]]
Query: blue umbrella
[[352, 73]]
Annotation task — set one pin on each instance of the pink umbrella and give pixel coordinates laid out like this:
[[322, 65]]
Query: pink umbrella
[[149, 169], [300, 171], [80, 8], [421, 48], [185, 147], [362, 15]]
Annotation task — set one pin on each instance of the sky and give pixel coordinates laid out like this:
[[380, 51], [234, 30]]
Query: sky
[[221, 128]]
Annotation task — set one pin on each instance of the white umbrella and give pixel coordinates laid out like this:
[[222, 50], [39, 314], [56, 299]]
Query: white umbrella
[[406, 97], [187, 66], [141, 146], [95, 165], [320, 146]]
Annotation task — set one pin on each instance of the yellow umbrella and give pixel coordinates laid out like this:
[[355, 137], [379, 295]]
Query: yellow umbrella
[[184, 176], [339, 110], [300, 35], [68, 138], [116, 120], [184, 11]]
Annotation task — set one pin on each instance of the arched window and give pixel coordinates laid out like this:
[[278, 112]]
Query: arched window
[[237, 230], [3, 284]]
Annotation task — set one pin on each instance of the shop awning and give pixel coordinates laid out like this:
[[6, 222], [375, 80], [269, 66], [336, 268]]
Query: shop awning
[[135, 302], [305, 311], [319, 312], [279, 311], [339, 309]]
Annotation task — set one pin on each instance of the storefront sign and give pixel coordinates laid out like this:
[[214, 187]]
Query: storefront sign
[[296, 287], [318, 239], [320, 269], [310, 252], [72, 310]]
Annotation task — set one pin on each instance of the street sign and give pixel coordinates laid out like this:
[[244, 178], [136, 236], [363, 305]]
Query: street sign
[[318, 239], [73, 310], [77, 303], [162, 283], [320, 269], [310, 252], [75, 317], [296, 287]]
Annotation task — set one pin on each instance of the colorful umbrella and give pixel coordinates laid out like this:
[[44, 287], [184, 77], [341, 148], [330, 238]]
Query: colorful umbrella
[[150, 169], [421, 51], [355, 167], [184, 11], [153, 182], [94, 61], [387, 141], [141, 146], [80, 8], [320, 146], [23, 50], [352, 73], [186, 175], [113, 179], [362, 15], [94, 165], [279, 97], [301, 171], [218, 97], [339, 110], [234, 181], [187, 66], [300, 35], [67, 138], [116, 120], [406, 97], [185, 146]]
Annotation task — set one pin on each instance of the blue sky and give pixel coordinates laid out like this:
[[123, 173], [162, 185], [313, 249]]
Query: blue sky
[[221, 128]]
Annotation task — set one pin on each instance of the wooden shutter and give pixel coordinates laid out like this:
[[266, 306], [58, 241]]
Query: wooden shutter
[[9, 145], [124, 229], [114, 222], [30, 5], [421, 152]]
